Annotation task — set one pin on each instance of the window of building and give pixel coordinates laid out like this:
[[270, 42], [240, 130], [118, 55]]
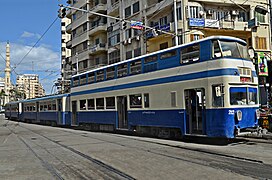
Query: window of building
[[114, 57], [100, 103], [135, 101], [136, 7], [163, 21], [127, 12], [128, 33], [137, 52], [110, 103], [260, 17], [90, 104], [179, 11], [164, 46], [114, 37], [194, 11], [261, 43], [128, 54]]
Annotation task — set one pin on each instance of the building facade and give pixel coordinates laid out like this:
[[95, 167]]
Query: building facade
[[66, 63], [97, 41], [30, 86]]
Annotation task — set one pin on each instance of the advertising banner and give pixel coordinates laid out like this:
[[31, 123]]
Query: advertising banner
[[262, 64]]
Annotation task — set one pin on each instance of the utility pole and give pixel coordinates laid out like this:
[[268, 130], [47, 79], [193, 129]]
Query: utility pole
[[176, 22]]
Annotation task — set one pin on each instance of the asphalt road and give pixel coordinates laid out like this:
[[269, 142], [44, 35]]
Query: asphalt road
[[29, 151]]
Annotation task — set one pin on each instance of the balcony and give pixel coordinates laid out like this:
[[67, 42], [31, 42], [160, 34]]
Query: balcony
[[79, 21], [82, 55], [79, 38], [69, 44], [234, 25], [100, 27], [69, 28], [161, 5], [98, 8], [95, 49], [113, 9]]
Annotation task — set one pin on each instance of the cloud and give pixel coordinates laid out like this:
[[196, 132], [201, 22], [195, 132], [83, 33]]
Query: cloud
[[30, 35], [42, 60]]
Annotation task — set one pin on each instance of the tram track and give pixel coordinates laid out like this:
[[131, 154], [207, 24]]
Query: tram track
[[244, 166], [109, 172]]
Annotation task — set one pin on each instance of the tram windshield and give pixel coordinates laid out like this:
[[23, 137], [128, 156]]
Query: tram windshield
[[243, 96], [230, 49]]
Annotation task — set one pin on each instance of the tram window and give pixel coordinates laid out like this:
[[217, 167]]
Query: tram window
[[90, 103], [83, 79], [135, 101], [218, 95], [190, 54], [91, 77], [82, 104], [252, 96], [168, 54], [150, 59], [45, 107], [54, 106], [100, 103], [122, 70], [238, 96], [41, 108], [136, 67], [216, 50], [146, 100], [49, 107], [76, 81], [100, 75], [110, 73], [174, 99], [110, 103]]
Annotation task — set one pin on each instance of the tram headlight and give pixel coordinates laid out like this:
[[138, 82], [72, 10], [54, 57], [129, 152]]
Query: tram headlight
[[258, 113], [239, 115]]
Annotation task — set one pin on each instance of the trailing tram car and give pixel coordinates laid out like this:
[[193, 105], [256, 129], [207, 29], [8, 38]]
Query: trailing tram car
[[50, 110], [206, 88]]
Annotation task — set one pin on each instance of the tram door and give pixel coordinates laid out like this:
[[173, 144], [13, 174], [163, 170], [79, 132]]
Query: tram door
[[38, 112], [122, 112], [195, 110], [74, 113], [59, 111]]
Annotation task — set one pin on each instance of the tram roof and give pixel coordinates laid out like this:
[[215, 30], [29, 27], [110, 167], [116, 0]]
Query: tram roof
[[230, 38]]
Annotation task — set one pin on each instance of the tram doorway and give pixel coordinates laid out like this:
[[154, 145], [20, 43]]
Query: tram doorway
[[122, 112], [59, 111], [74, 113], [195, 111]]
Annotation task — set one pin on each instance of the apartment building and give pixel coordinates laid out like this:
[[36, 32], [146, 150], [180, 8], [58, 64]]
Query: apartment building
[[66, 63], [30, 86], [97, 40]]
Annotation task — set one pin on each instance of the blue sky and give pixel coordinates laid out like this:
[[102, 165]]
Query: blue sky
[[22, 23]]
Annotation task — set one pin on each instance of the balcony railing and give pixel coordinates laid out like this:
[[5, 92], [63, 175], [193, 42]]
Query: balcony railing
[[98, 47]]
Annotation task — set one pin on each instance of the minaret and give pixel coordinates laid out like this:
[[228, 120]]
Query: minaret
[[7, 74]]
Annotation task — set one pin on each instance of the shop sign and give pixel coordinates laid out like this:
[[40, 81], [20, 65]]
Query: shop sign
[[197, 22], [211, 23]]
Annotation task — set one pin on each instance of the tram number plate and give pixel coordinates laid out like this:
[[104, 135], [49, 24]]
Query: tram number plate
[[231, 112]]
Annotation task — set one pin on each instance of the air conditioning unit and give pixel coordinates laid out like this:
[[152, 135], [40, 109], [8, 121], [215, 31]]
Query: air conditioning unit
[[125, 42], [138, 38], [210, 12], [129, 41], [235, 13]]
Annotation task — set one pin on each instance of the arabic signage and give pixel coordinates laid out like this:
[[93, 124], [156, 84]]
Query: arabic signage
[[136, 25], [212, 23], [197, 22]]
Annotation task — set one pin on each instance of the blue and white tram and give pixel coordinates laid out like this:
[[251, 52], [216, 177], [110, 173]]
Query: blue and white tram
[[207, 87], [51, 110]]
